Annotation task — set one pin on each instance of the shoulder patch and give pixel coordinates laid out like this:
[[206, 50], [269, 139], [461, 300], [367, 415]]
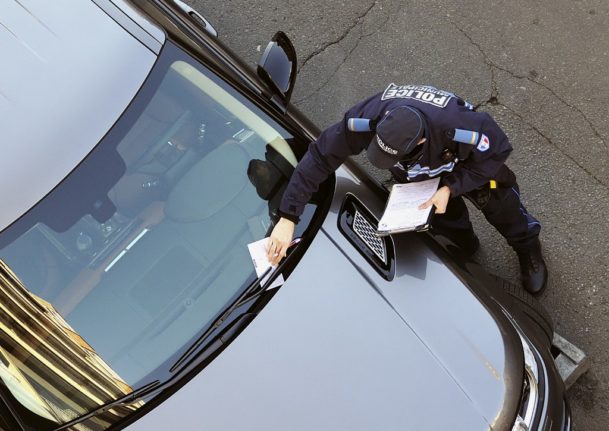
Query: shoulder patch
[[484, 143]]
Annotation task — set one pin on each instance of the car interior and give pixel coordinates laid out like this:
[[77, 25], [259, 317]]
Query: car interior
[[175, 250]]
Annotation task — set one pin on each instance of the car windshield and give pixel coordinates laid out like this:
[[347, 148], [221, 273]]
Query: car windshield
[[111, 276]]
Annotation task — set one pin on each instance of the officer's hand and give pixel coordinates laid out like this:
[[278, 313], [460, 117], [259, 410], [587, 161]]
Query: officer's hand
[[280, 240], [439, 199]]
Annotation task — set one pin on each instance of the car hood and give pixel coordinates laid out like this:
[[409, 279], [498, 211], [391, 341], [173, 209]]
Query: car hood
[[63, 84], [337, 349]]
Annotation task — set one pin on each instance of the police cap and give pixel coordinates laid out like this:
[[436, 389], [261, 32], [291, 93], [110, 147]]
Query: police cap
[[397, 134]]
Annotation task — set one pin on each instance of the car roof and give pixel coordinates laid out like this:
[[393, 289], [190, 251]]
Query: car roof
[[69, 71]]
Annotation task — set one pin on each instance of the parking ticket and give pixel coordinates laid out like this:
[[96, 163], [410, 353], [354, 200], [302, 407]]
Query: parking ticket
[[261, 263]]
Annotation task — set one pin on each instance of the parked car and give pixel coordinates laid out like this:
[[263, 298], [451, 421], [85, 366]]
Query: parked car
[[141, 157]]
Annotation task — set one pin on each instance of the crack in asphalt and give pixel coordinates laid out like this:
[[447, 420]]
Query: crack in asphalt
[[494, 88], [325, 46], [563, 101], [347, 56], [549, 141], [493, 99]]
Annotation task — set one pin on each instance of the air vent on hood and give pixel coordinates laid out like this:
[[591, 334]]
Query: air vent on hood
[[367, 233], [358, 224]]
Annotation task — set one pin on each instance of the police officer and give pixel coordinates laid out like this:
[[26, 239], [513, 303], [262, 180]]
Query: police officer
[[420, 132]]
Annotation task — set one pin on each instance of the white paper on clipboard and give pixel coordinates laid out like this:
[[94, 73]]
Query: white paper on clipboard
[[402, 212]]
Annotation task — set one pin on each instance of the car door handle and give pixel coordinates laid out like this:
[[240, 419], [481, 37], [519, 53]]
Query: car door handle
[[197, 17]]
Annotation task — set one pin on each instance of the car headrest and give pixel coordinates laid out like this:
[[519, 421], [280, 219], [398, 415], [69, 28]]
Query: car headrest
[[210, 185]]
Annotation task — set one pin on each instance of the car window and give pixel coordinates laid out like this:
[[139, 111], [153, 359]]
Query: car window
[[112, 275]]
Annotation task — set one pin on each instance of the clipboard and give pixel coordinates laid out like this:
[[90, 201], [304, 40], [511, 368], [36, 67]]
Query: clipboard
[[402, 208], [419, 228]]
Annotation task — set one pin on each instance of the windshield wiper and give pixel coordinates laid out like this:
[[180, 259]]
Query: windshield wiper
[[125, 400], [254, 290]]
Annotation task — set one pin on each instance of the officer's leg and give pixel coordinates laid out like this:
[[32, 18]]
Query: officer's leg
[[454, 224], [508, 215]]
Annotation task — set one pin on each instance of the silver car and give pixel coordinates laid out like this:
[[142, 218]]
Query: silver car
[[141, 157]]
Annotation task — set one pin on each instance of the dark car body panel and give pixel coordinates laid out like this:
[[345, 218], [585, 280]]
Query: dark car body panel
[[495, 301], [339, 346], [318, 357]]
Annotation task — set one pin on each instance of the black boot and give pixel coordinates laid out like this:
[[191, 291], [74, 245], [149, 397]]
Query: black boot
[[533, 270]]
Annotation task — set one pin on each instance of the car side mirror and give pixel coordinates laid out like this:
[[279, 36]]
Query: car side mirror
[[277, 66], [197, 17]]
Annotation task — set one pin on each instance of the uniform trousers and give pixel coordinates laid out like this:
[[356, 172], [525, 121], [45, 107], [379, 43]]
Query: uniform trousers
[[502, 208]]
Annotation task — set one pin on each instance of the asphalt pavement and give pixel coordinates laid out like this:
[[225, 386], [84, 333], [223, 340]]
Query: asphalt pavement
[[540, 68]]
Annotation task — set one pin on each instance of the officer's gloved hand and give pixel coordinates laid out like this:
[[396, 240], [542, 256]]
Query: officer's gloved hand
[[280, 240]]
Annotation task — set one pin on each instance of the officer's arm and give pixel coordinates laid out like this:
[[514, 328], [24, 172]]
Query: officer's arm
[[323, 157], [489, 154]]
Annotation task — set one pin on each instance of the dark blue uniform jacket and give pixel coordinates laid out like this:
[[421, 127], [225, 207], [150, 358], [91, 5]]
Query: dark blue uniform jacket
[[464, 166]]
